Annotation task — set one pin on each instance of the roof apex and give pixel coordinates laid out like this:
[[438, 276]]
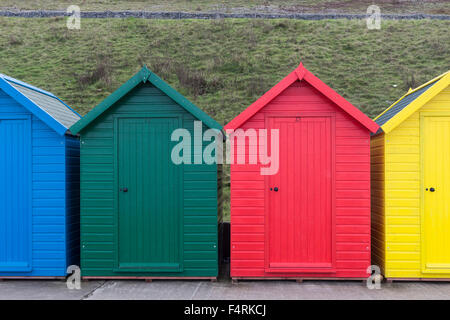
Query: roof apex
[[142, 76], [302, 74], [435, 86], [31, 98]]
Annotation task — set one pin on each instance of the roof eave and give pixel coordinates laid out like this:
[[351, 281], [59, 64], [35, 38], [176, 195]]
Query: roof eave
[[184, 102], [139, 77], [144, 75], [429, 94], [32, 107], [262, 101], [301, 73], [345, 105]]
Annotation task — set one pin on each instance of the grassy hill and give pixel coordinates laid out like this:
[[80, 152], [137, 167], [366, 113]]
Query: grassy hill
[[341, 6], [224, 65]]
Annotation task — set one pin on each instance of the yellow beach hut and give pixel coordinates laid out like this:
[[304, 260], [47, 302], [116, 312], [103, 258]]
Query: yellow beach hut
[[410, 169]]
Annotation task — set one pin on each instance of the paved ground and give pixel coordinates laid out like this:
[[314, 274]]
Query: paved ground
[[222, 290]]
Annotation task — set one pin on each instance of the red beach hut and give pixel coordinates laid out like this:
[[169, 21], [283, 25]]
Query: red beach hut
[[310, 218]]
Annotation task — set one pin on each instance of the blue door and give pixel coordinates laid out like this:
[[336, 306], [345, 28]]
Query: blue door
[[15, 194]]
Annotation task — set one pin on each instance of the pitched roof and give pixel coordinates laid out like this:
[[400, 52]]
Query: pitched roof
[[143, 76], [43, 104], [301, 73], [412, 101]]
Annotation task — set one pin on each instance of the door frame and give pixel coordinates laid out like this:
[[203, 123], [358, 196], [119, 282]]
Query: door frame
[[116, 268], [423, 261], [306, 269], [29, 266]]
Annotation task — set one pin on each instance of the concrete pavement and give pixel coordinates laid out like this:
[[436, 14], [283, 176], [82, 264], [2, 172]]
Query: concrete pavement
[[221, 290]]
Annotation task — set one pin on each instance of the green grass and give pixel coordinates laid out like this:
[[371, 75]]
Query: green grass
[[343, 6], [224, 65]]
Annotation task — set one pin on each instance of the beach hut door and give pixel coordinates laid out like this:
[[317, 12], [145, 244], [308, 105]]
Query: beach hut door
[[436, 184], [300, 214], [149, 233], [15, 195]]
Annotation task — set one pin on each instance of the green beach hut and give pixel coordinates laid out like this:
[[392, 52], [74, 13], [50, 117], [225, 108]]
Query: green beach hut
[[142, 215]]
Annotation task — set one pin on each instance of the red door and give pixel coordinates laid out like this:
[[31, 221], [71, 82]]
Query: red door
[[300, 208]]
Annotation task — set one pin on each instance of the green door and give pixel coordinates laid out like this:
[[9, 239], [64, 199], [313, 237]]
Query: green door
[[149, 232]]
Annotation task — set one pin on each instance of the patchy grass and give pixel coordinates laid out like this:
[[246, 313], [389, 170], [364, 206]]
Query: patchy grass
[[341, 6], [224, 65]]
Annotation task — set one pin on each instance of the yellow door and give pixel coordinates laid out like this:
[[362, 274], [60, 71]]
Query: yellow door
[[436, 183]]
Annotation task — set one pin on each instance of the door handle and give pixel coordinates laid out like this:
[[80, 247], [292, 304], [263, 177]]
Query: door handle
[[432, 190], [275, 189], [123, 189]]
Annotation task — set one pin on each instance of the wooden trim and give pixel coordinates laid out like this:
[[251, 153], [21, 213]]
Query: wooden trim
[[333, 191], [416, 104], [147, 278], [262, 102], [268, 124], [300, 278], [30, 278], [32, 107], [301, 73], [422, 194], [143, 76], [301, 270], [409, 92], [419, 279], [354, 112]]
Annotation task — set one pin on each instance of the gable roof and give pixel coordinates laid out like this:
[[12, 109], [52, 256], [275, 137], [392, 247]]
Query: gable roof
[[301, 73], [44, 105], [412, 101], [143, 76]]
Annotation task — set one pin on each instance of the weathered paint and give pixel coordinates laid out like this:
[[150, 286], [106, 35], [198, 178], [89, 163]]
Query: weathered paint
[[410, 240], [38, 221], [324, 192], [173, 209]]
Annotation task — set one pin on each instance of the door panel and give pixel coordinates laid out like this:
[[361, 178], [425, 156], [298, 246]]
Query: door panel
[[300, 214], [149, 213], [436, 204], [15, 198]]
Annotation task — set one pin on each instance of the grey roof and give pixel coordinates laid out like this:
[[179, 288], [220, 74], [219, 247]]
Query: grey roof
[[402, 104], [49, 103]]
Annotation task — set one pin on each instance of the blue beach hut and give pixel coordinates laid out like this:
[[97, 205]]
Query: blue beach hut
[[39, 183]]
